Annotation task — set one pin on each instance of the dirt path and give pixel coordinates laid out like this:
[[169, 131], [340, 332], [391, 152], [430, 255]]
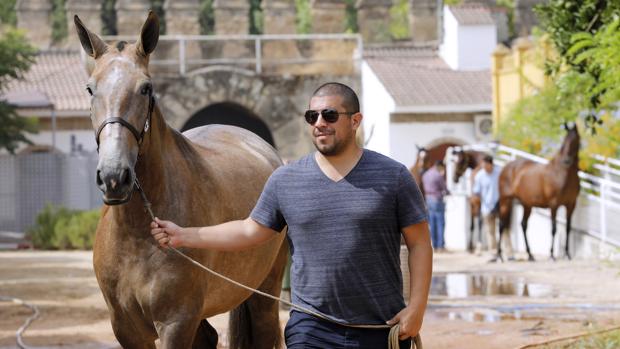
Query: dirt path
[[474, 304]]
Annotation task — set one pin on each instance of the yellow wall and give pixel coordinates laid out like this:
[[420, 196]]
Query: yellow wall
[[516, 73]]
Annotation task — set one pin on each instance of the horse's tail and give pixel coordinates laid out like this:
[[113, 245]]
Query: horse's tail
[[255, 323], [240, 327]]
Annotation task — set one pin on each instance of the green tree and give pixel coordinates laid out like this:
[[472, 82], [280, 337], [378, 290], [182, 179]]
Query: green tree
[[351, 17], [256, 17], [399, 20], [108, 18], [206, 17], [303, 18], [7, 13], [578, 30], [59, 21], [16, 56], [158, 8]]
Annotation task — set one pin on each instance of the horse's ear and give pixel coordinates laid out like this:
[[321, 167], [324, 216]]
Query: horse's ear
[[149, 35], [418, 147], [565, 125], [92, 44]]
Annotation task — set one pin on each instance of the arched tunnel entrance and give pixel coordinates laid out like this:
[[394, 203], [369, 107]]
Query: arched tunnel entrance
[[228, 113]]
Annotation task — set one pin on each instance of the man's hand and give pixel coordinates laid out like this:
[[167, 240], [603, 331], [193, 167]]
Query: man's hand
[[166, 233], [410, 321]]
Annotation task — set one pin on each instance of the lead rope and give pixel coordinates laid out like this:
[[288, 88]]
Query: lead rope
[[393, 341]]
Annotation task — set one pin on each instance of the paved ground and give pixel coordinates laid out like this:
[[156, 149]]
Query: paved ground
[[474, 304]]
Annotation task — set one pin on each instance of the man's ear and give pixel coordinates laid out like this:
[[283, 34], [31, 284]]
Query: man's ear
[[357, 120]]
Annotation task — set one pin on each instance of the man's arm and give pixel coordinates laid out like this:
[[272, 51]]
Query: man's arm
[[229, 236], [417, 238]]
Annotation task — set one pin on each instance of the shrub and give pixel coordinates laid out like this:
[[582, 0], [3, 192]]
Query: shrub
[[42, 233], [60, 228], [76, 231]]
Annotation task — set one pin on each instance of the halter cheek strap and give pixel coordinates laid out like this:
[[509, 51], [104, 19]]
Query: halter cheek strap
[[137, 134]]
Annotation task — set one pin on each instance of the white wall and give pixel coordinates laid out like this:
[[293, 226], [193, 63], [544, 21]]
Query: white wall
[[448, 50], [405, 136], [377, 104], [476, 45], [467, 47], [63, 139]]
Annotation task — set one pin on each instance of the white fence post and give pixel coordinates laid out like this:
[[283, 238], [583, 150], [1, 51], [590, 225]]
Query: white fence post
[[182, 64], [258, 53]]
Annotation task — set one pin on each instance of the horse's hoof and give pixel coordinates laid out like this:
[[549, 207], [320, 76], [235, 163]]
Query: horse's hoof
[[531, 258], [511, 259], [552, 258], [495, 259]]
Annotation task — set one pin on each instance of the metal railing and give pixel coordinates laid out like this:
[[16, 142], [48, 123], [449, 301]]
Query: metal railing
[[602, 192], [187, 53]]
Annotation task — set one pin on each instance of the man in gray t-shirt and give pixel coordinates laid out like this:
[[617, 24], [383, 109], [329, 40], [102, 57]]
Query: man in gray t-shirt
[[346, 209]]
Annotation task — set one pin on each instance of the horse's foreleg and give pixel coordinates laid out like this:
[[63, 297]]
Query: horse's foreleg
[[128, 335], [178, 334], [554, 211], [569, 214], [526, 216], [471, 233]]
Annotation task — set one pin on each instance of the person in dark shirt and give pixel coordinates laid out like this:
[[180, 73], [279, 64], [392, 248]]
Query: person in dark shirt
[[346, 209], [434, 182]]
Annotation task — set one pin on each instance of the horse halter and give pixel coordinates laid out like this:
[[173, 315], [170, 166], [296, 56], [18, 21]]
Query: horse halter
[[139, 138], [137, 134]]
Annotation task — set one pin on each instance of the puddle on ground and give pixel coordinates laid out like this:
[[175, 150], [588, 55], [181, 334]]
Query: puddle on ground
[[463, 285], [503, 313]]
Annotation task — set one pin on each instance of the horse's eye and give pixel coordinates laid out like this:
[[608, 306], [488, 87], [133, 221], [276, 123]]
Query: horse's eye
[[89, 90], [147, 90]]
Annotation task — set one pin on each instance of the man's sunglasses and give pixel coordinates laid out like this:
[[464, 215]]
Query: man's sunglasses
[[329, 115]]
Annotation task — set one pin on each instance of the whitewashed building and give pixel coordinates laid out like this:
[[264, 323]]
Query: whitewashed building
[[432, 97]]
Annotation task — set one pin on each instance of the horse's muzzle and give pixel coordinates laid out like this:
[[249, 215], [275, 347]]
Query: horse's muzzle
[[116, 185]]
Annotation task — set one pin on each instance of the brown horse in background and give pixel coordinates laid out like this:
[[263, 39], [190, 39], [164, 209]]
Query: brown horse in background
[[205, 176], [542, 185], [422, 163], [470, 159]]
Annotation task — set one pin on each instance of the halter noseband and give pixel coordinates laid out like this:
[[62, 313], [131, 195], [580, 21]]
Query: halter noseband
[[137, 134]]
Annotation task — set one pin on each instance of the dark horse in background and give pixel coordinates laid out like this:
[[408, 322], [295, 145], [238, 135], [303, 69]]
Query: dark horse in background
[[542, 185], [205, 176], [422, 163], [470, 159]]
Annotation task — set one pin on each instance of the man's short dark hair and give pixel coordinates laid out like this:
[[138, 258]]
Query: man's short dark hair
[[488, 159], [439, 163], [349, 98]]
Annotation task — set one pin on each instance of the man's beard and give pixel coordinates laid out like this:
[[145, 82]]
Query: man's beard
[[336, 148]]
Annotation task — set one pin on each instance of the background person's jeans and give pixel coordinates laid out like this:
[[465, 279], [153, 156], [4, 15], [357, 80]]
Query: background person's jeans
[[436, 218]]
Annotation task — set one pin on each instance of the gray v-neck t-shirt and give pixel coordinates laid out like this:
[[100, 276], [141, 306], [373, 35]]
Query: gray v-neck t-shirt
[[344, 235]]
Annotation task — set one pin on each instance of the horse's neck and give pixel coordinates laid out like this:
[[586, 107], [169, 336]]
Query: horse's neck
[[472, 161], [561, 172]]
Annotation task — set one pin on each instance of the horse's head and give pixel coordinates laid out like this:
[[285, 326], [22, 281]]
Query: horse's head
[[569, 153], [422, 160], [121, 105], [460, 164]]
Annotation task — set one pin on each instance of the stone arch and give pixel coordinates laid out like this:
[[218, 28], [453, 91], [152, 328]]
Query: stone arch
[[228, 113], [278, 101]]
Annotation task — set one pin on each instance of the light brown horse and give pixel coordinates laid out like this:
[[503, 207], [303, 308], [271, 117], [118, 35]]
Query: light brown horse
[[470, 159], [422, 163], [542, 185], [206, 176]]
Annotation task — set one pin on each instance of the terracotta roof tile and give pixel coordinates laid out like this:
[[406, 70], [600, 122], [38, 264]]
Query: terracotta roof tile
[[422, 78], [472, 14], [59, 75]]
